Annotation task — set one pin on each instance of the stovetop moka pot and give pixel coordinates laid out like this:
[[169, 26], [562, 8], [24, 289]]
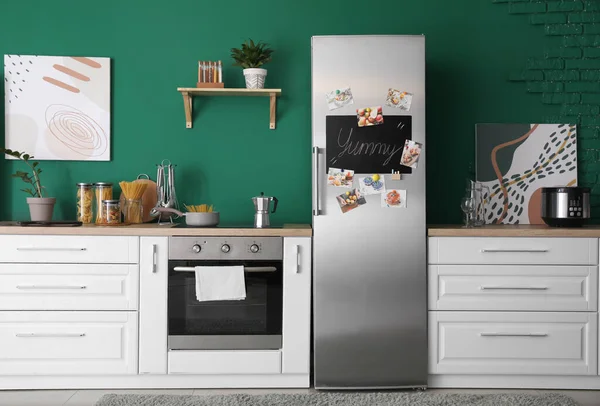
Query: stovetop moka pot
[[262, 207]]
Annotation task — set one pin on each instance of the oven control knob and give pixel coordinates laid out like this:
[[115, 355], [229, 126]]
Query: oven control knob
[[254, 248], [196, 248], [225, 248]]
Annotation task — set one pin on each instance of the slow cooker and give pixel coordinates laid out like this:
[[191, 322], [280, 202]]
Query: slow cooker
[[565, 206]]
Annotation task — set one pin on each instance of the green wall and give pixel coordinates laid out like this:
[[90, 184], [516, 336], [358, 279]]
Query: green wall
[[231, 155]]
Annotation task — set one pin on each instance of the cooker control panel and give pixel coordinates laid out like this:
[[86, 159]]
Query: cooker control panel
[[231, 248], [575, 208]]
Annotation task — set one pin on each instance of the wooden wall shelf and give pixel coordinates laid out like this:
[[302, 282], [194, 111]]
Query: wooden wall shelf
[[189, 92]]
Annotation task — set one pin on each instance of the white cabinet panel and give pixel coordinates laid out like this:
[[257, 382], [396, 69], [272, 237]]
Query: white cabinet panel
[[154, 271], [224, 362], [68, 343], [297, 267], [68, 287], [513, 343], [505, 287], [513, 251], [69, 249]]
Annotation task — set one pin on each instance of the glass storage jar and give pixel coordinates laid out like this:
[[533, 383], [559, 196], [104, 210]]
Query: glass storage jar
[[85, 199], [111, 211], [103, 192], [133, 211]]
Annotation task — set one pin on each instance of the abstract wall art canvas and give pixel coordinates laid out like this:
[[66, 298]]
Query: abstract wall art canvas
[[516, 160], [57, 107]]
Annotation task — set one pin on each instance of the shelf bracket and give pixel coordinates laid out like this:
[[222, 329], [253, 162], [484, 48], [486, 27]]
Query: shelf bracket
[[273, 110], [187, 105]]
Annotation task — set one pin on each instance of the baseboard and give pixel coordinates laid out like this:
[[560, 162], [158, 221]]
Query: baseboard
[[515, 381]]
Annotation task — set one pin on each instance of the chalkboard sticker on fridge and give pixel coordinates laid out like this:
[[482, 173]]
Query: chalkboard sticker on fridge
[[375, 149]]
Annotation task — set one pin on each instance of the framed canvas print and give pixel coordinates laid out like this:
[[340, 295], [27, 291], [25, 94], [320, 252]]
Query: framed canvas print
[[58, 107], [516, 161]]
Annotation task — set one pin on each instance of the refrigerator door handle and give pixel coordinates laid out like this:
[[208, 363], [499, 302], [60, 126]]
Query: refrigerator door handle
[[315, 181]]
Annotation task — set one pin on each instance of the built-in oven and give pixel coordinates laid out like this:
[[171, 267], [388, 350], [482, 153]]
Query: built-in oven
[[253, 323]]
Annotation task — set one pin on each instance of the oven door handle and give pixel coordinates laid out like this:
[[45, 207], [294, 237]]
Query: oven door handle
[[248, 269]]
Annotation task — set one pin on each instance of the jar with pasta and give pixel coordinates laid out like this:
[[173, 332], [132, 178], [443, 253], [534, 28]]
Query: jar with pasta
[[133, 211], [103, 192], [111, 211], [85, 199]]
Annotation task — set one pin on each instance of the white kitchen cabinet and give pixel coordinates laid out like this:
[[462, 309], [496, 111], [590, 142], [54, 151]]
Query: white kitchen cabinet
[[154, 271], [513, 287], [68, 287], [297, 276], [513, 251], [69, 249], [68, 343], [520, 343]]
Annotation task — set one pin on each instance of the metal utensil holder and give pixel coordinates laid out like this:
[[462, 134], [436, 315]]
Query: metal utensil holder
[[165, 190]]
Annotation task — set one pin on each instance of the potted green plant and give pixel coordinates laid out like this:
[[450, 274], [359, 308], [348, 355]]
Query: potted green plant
[[40, 207], [251, 56]]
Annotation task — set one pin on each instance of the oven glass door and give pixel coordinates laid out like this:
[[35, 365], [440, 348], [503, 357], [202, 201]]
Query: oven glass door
[[253, 323]]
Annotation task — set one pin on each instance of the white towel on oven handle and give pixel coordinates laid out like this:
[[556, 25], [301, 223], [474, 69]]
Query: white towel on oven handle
[[220, 283]]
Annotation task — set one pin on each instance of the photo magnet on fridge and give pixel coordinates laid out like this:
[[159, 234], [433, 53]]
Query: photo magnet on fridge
[[369, 116], [411, 154], [398, 99], [371, 185], [350, 200], [394, 199], [339, 98], [340, 177]]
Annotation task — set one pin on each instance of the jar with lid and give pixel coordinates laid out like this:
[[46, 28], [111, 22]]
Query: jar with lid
[[103, 192], [85, 199], [111, 211]]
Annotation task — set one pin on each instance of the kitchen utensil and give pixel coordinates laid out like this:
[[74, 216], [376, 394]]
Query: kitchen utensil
[[149, 198], [262, 206], [193, 219], [565, 206], [49, 223], [165, 189]]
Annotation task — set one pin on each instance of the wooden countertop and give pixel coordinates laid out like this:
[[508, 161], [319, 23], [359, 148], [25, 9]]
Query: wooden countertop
[[153, 229], [512, 231]]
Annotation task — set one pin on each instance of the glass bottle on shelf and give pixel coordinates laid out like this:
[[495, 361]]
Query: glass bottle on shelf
[[85, 199], [111, 211], [103, 192]]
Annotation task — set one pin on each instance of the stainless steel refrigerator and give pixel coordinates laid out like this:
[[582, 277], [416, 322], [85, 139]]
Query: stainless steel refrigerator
[[370, 272]]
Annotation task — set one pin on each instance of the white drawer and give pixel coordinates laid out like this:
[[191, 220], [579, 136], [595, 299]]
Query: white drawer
[[69, 249], [520, 287], [68, 287], [513, 343], [513, 251], [224, 362], [68, 343]]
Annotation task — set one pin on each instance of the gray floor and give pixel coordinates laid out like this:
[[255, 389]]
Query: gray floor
[[89, 397]]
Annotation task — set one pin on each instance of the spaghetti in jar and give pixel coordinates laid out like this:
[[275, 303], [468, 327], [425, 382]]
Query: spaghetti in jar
[[104, 191]]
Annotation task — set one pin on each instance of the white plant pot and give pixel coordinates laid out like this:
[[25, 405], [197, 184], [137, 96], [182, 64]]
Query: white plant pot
[[255, 78], [41, 208]]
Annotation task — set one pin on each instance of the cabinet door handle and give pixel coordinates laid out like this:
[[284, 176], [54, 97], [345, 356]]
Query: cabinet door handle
[[49, 335], [513, 287], [61, 287], [154, 259], [494, 334], [513, 251], [297, 260], [49, 249]]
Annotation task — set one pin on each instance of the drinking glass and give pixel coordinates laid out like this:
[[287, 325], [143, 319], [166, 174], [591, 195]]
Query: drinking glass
[[467, 205]]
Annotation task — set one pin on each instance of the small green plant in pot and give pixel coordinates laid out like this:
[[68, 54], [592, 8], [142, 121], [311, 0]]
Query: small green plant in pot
[[40, 207], [251, 56]]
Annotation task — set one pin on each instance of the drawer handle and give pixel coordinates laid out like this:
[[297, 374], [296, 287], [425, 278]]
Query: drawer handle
[[514, 251], [62, 287], [513, 288], [154, 264], [513, 334], [49, 249], [49, 335]]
